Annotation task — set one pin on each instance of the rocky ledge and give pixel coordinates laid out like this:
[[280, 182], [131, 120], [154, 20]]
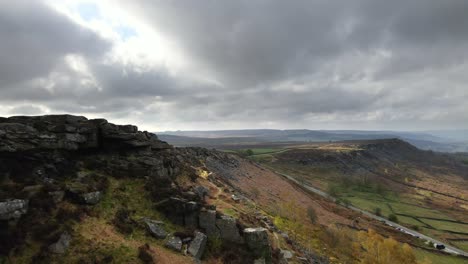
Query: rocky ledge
[[67, 132]]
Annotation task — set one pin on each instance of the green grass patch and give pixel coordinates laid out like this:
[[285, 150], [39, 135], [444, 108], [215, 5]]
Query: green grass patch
[[444, 225], [463, 245], [231, 212], [438, 258]]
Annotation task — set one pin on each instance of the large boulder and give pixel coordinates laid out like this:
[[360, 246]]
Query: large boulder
[[207, 221], [155, 228], [13, 209], [257, 241], [61, 246], [228, 229], [181, 211], [197, 246]]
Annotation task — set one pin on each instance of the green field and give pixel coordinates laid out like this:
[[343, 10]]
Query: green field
[[463, 245], [444, 225], [410, 210], [439, 258]]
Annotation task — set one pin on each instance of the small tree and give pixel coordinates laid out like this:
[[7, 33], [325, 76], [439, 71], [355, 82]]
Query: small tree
[[393, 218], [378, 211], [333, 190], [312, 214], [249, 152]]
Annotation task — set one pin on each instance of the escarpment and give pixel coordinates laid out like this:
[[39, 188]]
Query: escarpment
[[78, 190]]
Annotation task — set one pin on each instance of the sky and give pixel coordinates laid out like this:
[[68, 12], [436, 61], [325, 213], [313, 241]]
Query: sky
[[221, 64]]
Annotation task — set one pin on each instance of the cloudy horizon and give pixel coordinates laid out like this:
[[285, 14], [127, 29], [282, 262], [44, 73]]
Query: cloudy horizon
[[215, 65]]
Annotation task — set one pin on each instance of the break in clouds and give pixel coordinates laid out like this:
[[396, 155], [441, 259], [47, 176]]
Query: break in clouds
[[239, 64]]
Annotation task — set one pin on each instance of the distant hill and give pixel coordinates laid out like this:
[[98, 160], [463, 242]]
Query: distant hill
[[422, 140]]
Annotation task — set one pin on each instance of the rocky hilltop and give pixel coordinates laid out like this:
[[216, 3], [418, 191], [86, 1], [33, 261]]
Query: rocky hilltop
[[78, 190]]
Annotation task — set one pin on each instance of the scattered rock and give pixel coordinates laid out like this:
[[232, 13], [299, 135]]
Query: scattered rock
[[13, 209], [235, 198], [257, 241], [155, 228], [197, 246], [286, 254], [228, 229], [174, 243], [92, 198], [61, 245]]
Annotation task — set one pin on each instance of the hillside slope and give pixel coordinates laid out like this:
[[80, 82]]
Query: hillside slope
[[75, 190]]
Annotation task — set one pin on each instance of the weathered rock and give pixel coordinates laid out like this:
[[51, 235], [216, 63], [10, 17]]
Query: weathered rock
[[61, 246], [286, 255], [191, 214], [155, 228], [67, 132], [92, 198], [197, 246], [13, 209], [181, 211], [257, 241], [57, 196], [201, 191], [228, 229], [207, 221], [174, 243]]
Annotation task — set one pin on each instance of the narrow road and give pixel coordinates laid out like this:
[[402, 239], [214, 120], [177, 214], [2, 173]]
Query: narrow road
[[448, 248]]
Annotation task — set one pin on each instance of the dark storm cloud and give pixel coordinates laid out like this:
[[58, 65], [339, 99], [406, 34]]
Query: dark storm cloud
[[383, 62]]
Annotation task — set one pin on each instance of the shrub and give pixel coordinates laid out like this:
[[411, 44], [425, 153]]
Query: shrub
[[312, 214], [378, 211], [393, 218], [333, 190]]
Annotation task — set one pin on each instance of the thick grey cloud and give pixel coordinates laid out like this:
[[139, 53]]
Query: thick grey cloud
[[301, 63], [34, 38]]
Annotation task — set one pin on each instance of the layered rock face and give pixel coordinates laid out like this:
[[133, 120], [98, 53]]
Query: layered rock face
[[67, 132]]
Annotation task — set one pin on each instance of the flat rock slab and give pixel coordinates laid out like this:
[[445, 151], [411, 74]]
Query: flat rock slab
[[155, 228]]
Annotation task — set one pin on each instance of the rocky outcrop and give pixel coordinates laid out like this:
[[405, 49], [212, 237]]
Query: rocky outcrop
[[13, 209], [207, 221], [181, 211], [197, 246], [67, 132], [228, 229], [257, 241], [61, 245]]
